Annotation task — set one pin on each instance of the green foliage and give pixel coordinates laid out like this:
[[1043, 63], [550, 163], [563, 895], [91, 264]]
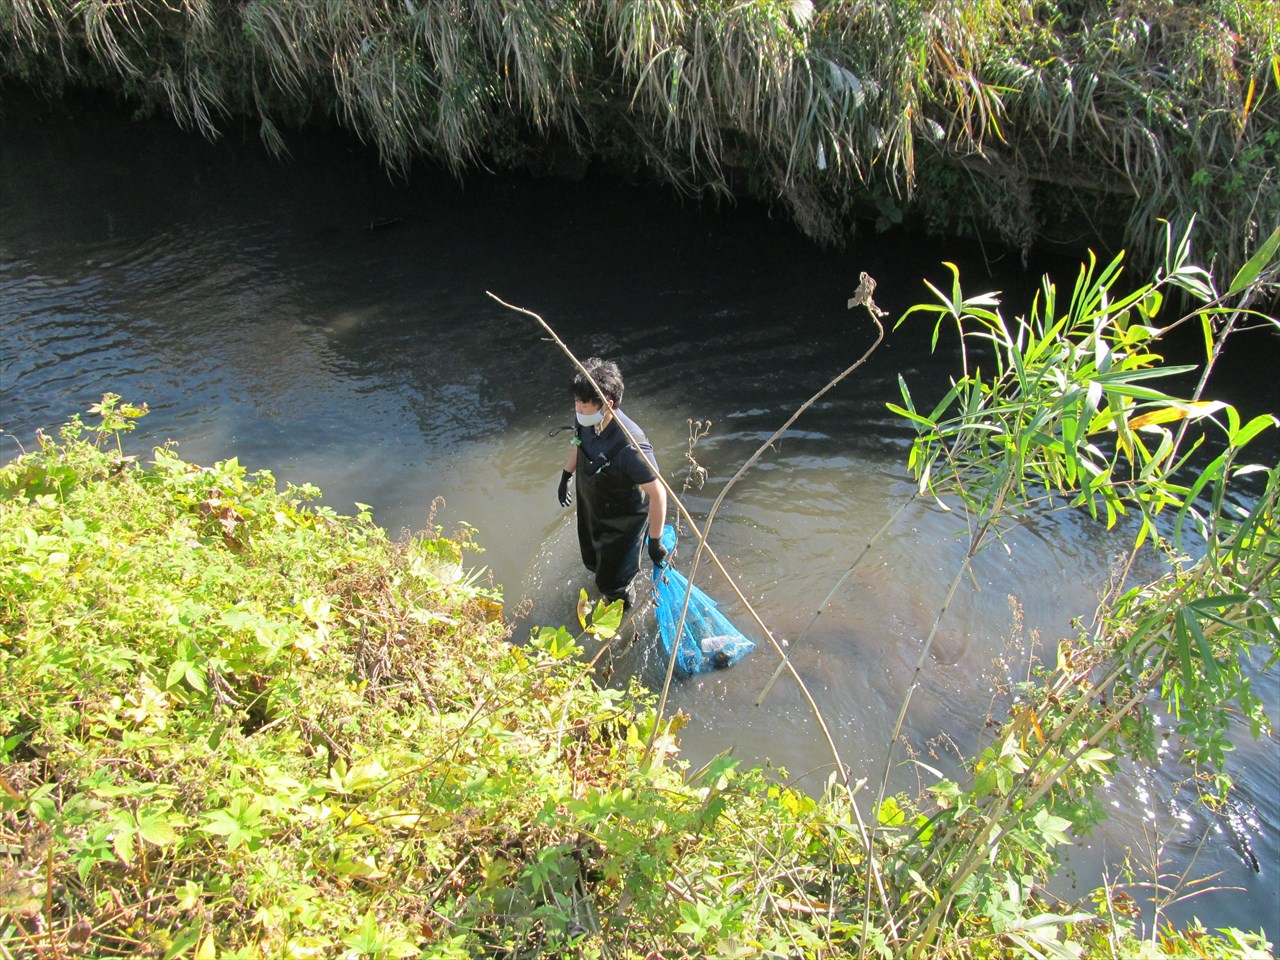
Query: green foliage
[[1064, 412], [602, 621], [233, 725]]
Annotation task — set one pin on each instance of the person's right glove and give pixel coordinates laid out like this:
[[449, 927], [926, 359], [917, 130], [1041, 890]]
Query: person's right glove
[[657, 552], [564, 494]]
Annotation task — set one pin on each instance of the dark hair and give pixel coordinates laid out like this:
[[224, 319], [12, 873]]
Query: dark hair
[[606, 374]]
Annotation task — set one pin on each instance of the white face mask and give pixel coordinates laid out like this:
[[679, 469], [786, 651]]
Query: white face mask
[[590, 419]]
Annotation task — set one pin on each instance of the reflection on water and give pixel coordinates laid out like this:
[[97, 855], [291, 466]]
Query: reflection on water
[[259, 314]]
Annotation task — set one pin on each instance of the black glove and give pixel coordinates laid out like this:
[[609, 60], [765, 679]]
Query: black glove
[[657, 552], [564, 494]]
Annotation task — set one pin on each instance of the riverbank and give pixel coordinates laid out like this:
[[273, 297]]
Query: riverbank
[[1032, 126], [237, 726]]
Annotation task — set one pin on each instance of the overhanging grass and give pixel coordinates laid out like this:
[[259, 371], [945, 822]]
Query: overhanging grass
[[1078, 123]]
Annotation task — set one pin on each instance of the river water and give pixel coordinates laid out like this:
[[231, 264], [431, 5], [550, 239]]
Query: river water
[[316, 319]]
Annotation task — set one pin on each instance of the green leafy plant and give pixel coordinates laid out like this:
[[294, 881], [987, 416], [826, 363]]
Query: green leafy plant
[[235, 725], [1067, 416]]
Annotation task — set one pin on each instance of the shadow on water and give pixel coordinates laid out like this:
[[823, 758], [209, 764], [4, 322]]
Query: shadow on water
[[318, 320]]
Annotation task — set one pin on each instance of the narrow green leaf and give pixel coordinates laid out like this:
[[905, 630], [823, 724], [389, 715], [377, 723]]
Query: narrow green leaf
[[1202, 642], [909, 415], [1145, 529], [1251, 429], [1256, 264], [183, 942], [945, 402], [1183, 640]]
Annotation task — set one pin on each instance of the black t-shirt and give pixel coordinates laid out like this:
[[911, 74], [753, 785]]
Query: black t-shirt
[[611, 446]]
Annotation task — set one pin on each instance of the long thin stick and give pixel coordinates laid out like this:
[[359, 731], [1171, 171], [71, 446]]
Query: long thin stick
[[862, 297]]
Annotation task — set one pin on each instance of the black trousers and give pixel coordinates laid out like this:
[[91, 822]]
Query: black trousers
[[613, 514]]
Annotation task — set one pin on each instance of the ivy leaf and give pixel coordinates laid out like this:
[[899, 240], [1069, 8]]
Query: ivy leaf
[[157, 827], [238, 823], [1052, 828]]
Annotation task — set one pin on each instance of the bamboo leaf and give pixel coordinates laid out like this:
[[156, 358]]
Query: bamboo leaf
[[1202, 643], [1261, 258], [1239, 438], [910, 415], [1151, 305], [1175, 412], [1121, 376], [1183, 640], [945, 402]]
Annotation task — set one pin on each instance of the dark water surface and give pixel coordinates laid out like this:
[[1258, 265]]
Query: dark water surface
[[315, 319]]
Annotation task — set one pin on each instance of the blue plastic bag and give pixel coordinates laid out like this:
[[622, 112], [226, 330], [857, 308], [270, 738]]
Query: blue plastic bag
[[709, 641]]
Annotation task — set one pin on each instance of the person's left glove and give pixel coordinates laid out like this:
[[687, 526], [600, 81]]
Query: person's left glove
[[657, 552], [564, 494]]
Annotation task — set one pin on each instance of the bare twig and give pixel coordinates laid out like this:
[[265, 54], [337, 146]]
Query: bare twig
[[862, 297]]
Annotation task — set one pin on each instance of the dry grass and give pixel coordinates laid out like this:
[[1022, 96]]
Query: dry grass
[[997, 111]]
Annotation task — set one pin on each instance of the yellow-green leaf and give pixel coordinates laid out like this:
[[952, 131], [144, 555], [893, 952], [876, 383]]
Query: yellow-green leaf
[[1181, 411], [1257, 263], [208, 950]]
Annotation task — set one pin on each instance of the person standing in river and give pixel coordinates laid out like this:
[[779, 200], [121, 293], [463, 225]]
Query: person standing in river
[[619, 494]]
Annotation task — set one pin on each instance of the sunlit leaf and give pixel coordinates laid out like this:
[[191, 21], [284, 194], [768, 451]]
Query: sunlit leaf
[[1179, 411], [1261, 258], [890, 814], [157, 831], [207, 950], [1202, 644], [606, 619], [1243, 435], [1053, 828]]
